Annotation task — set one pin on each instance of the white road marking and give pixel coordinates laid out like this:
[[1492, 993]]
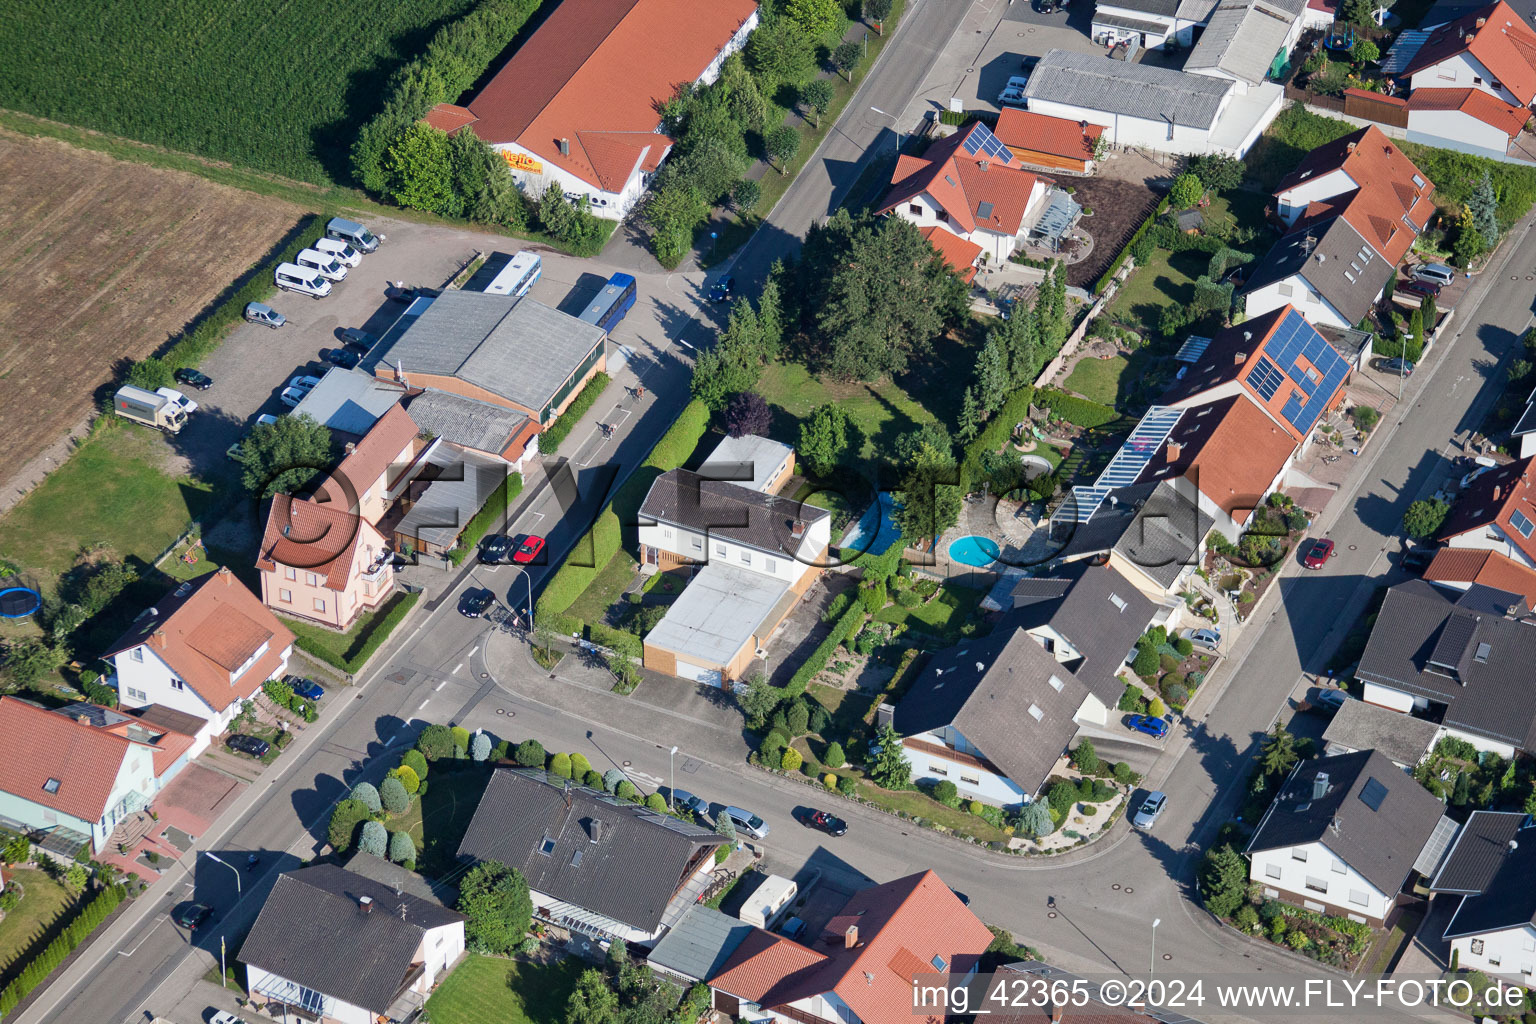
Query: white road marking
[[473, 649], [642, 777], [422, 704], [537, 515], [458, 666], [439, 686]]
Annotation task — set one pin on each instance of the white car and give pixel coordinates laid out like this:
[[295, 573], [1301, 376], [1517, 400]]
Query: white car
[[265, 418], [1013, 92], [344, 253], [181, 401], [225, 1017], [292, 396], [304, 383]]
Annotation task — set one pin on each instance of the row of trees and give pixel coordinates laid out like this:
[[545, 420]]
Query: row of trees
[[1015, 352]]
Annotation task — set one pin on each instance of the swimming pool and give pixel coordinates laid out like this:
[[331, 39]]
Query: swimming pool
[[978, 551], [875, 531]]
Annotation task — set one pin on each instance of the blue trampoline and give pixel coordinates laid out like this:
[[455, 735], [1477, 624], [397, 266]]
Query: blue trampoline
[[19, 602]]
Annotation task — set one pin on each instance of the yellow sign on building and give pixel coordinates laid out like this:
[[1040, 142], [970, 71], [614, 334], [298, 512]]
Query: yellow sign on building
[[522, 162]]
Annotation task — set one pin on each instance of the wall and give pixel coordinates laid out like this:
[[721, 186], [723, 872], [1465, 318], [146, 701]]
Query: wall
[[264, 983], [1514, 950], [698, 547], [988, 787], [1121, 130], [1295, 291], [930, 214], [439, 948], [1504, 750], [1342, 882], [303, 588], [1291, 203], [1393, 700], [1453, 129], [1464, 71], [1490, 538]]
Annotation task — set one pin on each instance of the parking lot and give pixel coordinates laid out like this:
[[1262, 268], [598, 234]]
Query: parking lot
[[1024, 30]]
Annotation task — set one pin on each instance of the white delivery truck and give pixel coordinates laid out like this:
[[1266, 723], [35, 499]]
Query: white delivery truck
[[149, 408]]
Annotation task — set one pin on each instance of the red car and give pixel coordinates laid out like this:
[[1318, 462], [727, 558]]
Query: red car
[[528, 549], [1322, 550]]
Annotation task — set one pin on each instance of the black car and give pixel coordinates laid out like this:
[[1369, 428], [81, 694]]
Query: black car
[[821, 821], [192, 915], [345, 358], [965, 900], [1427, 289], [720, 291], [253, 745], [358, 339], [494, 548], [475, 601], [194, 378]]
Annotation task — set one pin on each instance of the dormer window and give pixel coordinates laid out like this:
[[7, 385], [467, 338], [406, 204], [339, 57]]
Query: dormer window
[[243, 669], [547, 846]]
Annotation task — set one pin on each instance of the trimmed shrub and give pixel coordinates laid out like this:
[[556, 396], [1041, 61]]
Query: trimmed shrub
[[592, 780], [791, 760], [501, 751], [374, 839], [395, 798], [413, 760], [460, 738], [797, 717], [1078, 411], [560, 766], [656, 802], [975, 807], [817, 660], [847, 785], [435, 742], [579, 766], [367, 794], [1184, 645], [835, 758], [345, 818], [493, 511], [401, 847], [529, 754], [946, 793], [626, 790], [480, 746], [829, 780], [407, 779]]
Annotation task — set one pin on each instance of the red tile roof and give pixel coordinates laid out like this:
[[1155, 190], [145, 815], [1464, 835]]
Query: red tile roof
[[1495, 498], [1041, 133], [1475, 103], [964, 185], [205, 630], [593, 75], [41, 745], [1496, 37], [449, 117], [957, 252], [1230, 449], [1489, 568], [372, 457], [317, 537], [899, 928]]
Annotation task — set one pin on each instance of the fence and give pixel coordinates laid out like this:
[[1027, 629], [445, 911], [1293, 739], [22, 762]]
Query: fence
[[1314, 100], [1374, 106]]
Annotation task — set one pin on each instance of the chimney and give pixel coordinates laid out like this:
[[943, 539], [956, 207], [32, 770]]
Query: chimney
[[351, 446], [1350, 148], [1481, 22], [596, 830], [1056, 1011], [1174, 451], [1319, 785], [1498, 491], [365, 903], [797, 529], [565, 147], [1239, 358], [851, 937]]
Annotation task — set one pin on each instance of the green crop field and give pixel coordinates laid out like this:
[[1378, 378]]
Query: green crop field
[[278, 85]]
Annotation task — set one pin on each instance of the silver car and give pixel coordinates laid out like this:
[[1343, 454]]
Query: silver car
[[261, 313], [1151, 808], [1208, 637]]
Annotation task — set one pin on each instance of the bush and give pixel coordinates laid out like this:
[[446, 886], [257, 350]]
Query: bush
[[592, 780], [1078, 411], [413, 760], [480, 746], [435, 742], [1147, 661], [497, 907], [847, 785], [791, 760], [392, 792], [345, 818], [407, 779], [501, 751], [1184, 646], [975, 807], [374, 839], [817, 660], [1156, 708], [367, 794], [656, 802], [556, 432], [560, 766], [946, 793], [1246, 918], [1132, 699], [1085, 759], [1035, 820], [493, 511], [798, 718], [626, 790], [579, 767], [401, 847], [529, 754], [835, 758], [1134, 243], [1062, 795]]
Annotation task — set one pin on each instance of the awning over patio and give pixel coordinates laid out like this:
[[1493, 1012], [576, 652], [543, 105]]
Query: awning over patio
[[1059, 217]]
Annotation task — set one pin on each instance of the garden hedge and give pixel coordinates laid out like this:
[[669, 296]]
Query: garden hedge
[[363, 646], [1125, 252], [1076, 410], [818, 658], [549, 440], [1015, 409], [492, 512], [47, 960]]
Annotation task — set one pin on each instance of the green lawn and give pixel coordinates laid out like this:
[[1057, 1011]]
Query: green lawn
[[951, 608], [111, 491], [882, 411], [485, 989], [1098, 379], [593, 603], [42, 903], [348, 651], [437, 820], [919, 805]]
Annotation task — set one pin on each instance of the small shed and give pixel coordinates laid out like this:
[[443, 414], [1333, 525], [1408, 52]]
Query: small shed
[[1190, 221]]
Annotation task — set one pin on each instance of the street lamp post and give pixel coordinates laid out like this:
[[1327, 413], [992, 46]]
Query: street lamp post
[[672, 774], [713, 235], [1152, 961], [895, 126], [215, 857], [529, 581]]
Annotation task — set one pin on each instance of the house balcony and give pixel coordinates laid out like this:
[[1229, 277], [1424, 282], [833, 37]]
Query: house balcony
[[382, 569]]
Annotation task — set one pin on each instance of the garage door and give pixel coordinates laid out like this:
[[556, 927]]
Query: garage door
[[698, 673]]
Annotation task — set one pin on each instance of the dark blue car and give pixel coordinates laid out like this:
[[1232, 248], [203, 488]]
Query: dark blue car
[[1146, 723], [721, 290], [306, 688]]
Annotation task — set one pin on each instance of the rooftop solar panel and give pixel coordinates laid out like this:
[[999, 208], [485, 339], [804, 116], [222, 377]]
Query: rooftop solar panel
[[1122, 471], [981, 142], [1294, 340], [1264, 379]]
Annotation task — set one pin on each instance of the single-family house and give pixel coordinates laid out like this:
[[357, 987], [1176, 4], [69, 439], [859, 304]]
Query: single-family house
[[1457, 569], [959, 255], [76, 771], [1352, 210], [1461, 661], [1496, 512], [576, 105], [1049, 143], [595, 864], [1152, 107], [374, 470], [322, 562], [334, 946], [970, 185], [203, 649], [757, 554], [993, 716], [1358, 725], [1491, 50], [1489, 870], [1247, 40], [1150, 533], [862, 966], [1345, 834], [752, 461]]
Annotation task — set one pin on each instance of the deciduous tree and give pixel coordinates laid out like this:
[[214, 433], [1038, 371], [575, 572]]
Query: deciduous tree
[[815, 17], [824, 439], [1186, 192], [417, 170], [1424, 517], [495, 900], [877, 11], [284, 457], [747, 413], [782, 144], [816, 98], [846, 57]]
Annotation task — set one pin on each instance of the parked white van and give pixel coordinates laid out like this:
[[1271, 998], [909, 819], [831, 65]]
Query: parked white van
[[291, 277], [329, 266], [344, 253], [353, 233]]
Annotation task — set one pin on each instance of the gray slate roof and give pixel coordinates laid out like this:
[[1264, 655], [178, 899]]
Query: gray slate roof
[[1339, 245], [986, 689], [1101, 615], [514, 347], [1492, 697], [698, 946], [393, 876], [727, 510], [639, 861], [1242, 39], [1097, 83], [736, 457], [313, 930], [349, 400], [1380, 844], [1480, 850], [1361, 726], [467, 422], [1507, 899], [458, 485]]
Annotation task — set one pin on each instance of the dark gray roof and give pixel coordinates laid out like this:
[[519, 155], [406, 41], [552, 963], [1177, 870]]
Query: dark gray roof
[[1339, 245], [728, 510], [1486, 692], [1507, 899], [1527, 423], [514, 347], [313, 930], [1361, 726], [1101, 615], [1380, 842], [1158, 28], [1150, 524], [1095, 82], [392, 875], [639, 861], [467, 422], [162, 717], [1165, 8], [699, 944], [1032, 590], [1480, 850], [992, 691]]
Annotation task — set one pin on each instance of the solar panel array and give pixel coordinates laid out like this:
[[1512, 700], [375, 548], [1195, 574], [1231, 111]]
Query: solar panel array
[[981, 142], [1127, 464], [1292, 341]]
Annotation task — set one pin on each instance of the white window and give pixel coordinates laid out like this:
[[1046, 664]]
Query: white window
[[938, 770], [1299, 854], [137, 654], [1272, 870], [285, 596], [290, 573], [1359, 898], [1287, 290], [719, 550], [319, 604], [698, 543], [1316, 884], [1338, 867], [177, 684], [311, 579], [770, 565], [746, 558], [970, 782]]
